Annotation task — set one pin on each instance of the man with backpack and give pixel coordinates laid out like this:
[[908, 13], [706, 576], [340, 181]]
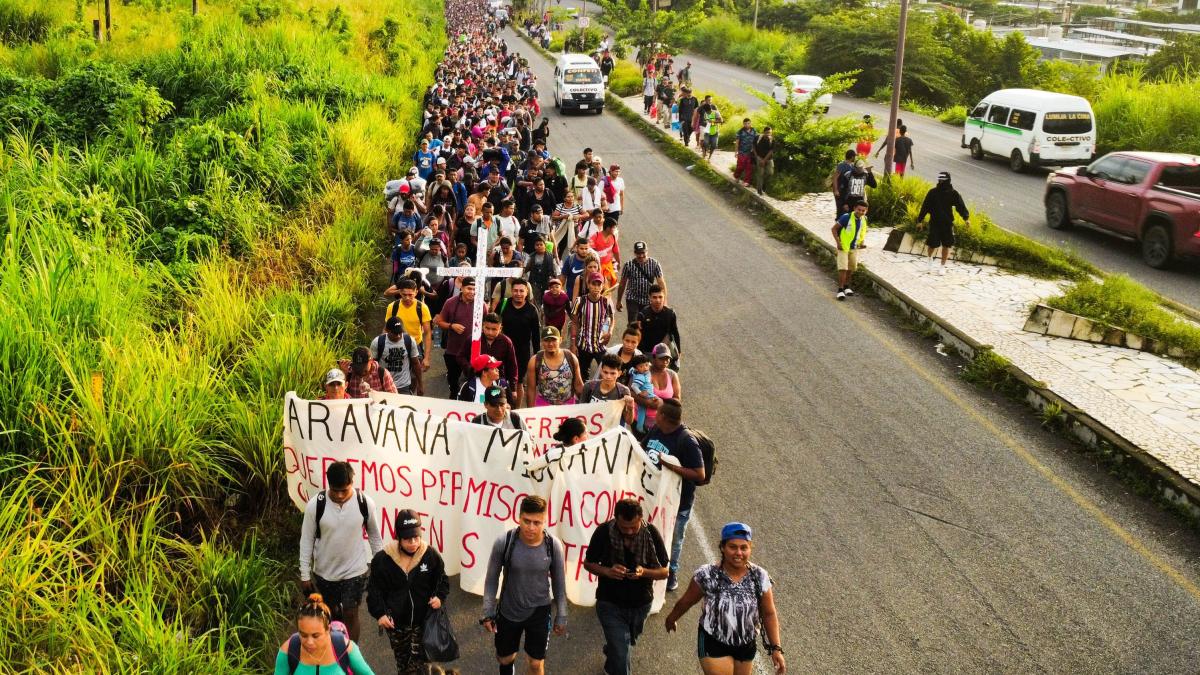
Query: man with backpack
[[534, 576], [334, 559], [415, 316], [397, 352], [670, 437], [638, 276], [627, 555]]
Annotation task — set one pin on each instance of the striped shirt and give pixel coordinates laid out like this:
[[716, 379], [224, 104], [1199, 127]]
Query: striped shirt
[[594, 316], [639, 278]]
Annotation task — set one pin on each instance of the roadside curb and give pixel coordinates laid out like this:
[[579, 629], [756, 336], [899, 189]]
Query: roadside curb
[[1115, 450]]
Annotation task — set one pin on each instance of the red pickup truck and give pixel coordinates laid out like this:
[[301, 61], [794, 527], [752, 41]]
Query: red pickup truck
[[1153, 197]]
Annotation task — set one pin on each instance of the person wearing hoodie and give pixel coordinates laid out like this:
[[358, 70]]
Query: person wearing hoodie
[[408, 579], [940, 203]]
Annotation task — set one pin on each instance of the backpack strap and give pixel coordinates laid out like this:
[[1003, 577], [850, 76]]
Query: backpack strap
[[341, 649], [293, 653], [362, 507], [320, 512], [382, 340]]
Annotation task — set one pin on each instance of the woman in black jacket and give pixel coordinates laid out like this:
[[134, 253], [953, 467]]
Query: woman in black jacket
[[408, 578]]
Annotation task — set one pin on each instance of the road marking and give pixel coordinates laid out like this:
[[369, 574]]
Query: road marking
[[1087, 505]]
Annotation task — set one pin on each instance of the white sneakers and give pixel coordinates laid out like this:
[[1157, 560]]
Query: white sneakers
[[942, 271], [841, 294]]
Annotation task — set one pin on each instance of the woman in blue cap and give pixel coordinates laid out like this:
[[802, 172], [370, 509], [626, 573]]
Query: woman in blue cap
[[738, 598]]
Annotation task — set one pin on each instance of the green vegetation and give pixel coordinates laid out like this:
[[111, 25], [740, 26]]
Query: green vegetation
[[989, 369], [1119, 301], [725, 37], [640, 27], [1177, 61], [625, 79], [1133, 113], [897, 202], [19, 24], [581, 40], [187, 234], [808, 143]]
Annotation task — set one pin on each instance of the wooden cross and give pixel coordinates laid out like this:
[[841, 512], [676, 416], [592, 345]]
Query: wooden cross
[[481, 273]]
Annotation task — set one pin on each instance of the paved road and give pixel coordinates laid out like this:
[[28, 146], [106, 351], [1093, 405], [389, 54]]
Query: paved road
[[1012, 200], [910, 524]]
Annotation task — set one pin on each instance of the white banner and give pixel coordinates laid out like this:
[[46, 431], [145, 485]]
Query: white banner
[[467, 480], [541, 422]]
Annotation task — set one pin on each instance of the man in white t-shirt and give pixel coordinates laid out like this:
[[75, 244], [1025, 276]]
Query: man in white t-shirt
[[614, 192]]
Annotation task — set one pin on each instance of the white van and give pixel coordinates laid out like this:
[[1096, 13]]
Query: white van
[[1032, 128], [578, 84]]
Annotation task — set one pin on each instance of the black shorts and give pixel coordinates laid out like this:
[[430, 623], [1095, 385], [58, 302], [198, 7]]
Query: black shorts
[[939, 236], [536, 630], [342, 596], [710, 647]]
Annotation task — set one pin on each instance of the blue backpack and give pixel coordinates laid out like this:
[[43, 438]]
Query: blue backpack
[[341, 648]]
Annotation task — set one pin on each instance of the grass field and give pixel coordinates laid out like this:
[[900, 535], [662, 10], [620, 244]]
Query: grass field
[[189, 221]]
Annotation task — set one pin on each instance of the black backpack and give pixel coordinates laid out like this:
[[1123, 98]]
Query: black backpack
[[708, 450], [322, 500]]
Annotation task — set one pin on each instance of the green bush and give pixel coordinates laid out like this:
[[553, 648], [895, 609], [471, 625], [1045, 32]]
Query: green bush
[[809, 144], [19, 25], [1122, 302], [1161, 116], [625, 80], [725, 37], [955, 115]]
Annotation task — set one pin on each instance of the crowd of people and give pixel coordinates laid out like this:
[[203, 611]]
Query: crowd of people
[[484, 191]]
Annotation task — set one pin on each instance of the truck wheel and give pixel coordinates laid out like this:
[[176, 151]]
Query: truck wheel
[[1016, 162], [1156, 246], [1058, 215], [976, 149]]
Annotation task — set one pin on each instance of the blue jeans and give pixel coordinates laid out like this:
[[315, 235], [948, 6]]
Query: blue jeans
[[621, 626], [681, 522]]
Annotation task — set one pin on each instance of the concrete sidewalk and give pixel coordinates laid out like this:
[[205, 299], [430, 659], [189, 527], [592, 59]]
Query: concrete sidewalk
[[1149, 401]]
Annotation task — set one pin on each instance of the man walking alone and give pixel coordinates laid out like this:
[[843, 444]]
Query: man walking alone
[[940, 203]]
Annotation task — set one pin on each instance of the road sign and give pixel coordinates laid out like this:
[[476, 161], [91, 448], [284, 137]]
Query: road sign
[[584, 21]]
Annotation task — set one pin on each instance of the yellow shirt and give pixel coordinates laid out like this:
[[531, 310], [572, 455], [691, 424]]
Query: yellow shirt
[[409, 317]]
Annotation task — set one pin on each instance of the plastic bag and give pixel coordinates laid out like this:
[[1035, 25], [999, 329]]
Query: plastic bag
[[440, 645]]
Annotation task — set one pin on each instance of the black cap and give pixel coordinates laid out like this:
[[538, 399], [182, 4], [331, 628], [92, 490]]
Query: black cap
[[494, 396], [408, 524], [394, 325], [361, 356]]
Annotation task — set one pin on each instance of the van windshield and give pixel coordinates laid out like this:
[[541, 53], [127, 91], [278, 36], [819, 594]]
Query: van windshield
[[1067, 123], [580, 76]]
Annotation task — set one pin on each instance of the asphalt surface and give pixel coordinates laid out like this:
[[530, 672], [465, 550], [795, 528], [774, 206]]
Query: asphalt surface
[[910, 522], [1012, 200]]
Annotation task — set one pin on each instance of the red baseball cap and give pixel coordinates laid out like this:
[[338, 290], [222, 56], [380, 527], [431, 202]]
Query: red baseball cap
[[483, 362]]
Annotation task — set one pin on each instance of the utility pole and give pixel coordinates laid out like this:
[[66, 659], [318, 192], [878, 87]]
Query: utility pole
[[756, 15], [897, 75]]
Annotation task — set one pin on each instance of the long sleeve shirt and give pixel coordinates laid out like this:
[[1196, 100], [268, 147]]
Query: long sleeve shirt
[[341, 552], [525, 580], [940, 204], [657, 327]]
